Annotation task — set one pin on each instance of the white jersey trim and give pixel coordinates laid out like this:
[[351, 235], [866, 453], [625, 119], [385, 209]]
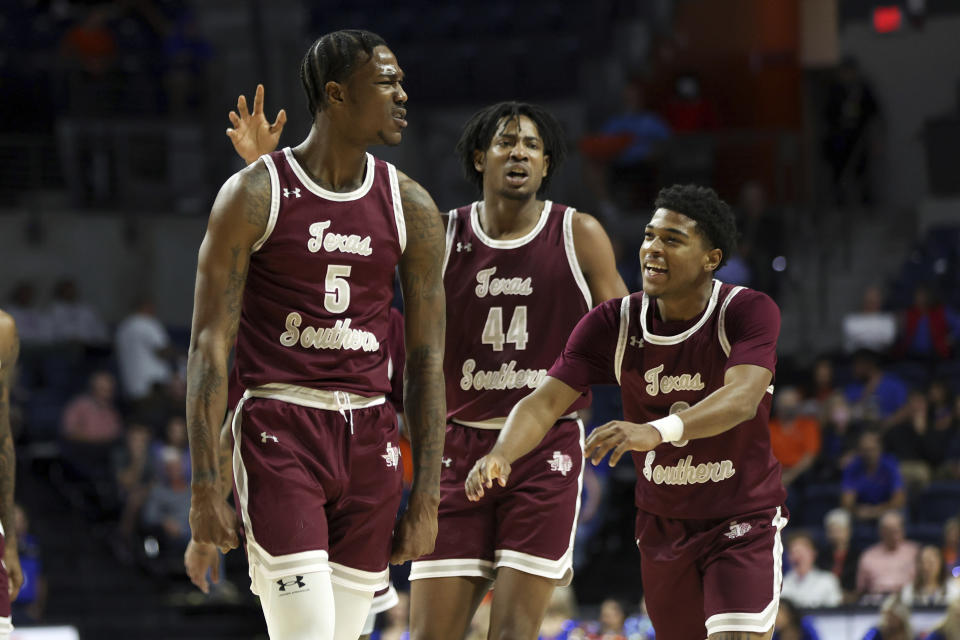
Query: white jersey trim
[[721, 321], [274, 202], [622, 337], [382, 603], [653, 338], [313, 398], [472, 567], [756, 622], [571, 249], [317, 190], [358, 579], [451, 233], [6, 627], [514, 242], [397, 206], [496, 424]]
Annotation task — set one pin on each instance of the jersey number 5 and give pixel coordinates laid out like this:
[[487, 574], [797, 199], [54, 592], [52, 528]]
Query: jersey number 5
[[516, 333], [337, 296]]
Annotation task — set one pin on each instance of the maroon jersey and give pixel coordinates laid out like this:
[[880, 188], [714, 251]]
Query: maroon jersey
[[665, 367], [316, 304], [511, 305]]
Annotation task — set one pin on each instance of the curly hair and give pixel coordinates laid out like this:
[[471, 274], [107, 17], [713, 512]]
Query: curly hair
[[479, 130], [702, 204], [333, 58]]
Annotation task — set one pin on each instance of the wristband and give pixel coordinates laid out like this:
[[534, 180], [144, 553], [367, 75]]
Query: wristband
[[670, 427]]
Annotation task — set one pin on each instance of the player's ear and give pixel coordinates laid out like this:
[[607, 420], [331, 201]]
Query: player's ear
[[479, 159], [334, 92], [546, 165], [712, 260]]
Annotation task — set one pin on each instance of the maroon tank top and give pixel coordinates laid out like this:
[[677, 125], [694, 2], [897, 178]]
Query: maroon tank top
[[317, 299], [511, 304], [732, 472]]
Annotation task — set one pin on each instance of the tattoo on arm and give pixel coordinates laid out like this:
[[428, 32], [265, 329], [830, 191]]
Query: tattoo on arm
[[425, 309]]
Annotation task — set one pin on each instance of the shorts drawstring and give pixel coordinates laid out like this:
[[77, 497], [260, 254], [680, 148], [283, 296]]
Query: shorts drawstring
[[344, 407]]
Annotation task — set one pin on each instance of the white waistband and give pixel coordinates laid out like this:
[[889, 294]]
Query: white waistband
[[497, 424], [314, 398]]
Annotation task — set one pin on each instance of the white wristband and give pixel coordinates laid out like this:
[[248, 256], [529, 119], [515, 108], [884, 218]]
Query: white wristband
[[670, 427]]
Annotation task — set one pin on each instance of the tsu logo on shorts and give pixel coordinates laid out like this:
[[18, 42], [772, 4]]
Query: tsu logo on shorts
[[295, 583], [560, 462], [392, 456]]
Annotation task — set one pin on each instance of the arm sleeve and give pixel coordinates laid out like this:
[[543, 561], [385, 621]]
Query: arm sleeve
[[588, 358], [752, 326]]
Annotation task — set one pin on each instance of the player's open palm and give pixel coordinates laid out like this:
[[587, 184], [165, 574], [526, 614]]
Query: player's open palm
[[620, 437], [213, 521], [252, 135], [11, 559], [416, 532], [486, 470]]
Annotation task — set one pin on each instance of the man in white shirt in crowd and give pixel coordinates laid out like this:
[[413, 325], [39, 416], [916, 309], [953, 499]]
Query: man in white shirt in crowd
[[143, 352], [806, 585]]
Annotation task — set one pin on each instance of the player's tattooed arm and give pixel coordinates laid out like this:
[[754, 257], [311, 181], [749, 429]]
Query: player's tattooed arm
[[421, 278], [596, 258], [251, 134], [9, 351], [237, 221]]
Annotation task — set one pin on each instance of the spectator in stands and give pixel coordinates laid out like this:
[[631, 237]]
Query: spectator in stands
[[167, 507], [932, 586], [949, 627], [930, 329], [135, 471], [851, 120], [74, 320], [612, 617], [822, 383], [804, 584], [871, 327], [175, 435], [920, 445], [890, 564], [950, 547], [688, 110], [622, 158], [794, 438], [790, 625], [33, 323], [838, 438], [894, 621], [874, 394], [90, 427], [872, 484], [841, 557], [941, 404], [31, 602], [143, 352], [951, 465]]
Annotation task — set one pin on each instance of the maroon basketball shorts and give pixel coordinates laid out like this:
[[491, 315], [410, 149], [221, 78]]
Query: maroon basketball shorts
[[318, 481], [6, 626], [528, 525], [709, 576]]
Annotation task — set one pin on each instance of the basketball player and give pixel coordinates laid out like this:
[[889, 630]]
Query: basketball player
[[298, 264], [11, 576], [694, 359], [519, 272]]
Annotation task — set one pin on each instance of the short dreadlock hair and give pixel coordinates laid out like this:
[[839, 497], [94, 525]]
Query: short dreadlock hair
[[702, 204], [479, 130], [333, 58]]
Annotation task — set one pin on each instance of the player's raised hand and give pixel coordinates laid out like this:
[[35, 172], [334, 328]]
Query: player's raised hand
[[199, 558], [252, 135], [620, 437], [212, 520], [487, 469], [416, 532]]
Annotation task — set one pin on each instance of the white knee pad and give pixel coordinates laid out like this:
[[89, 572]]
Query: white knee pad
[[353, 608], [298, 607]]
